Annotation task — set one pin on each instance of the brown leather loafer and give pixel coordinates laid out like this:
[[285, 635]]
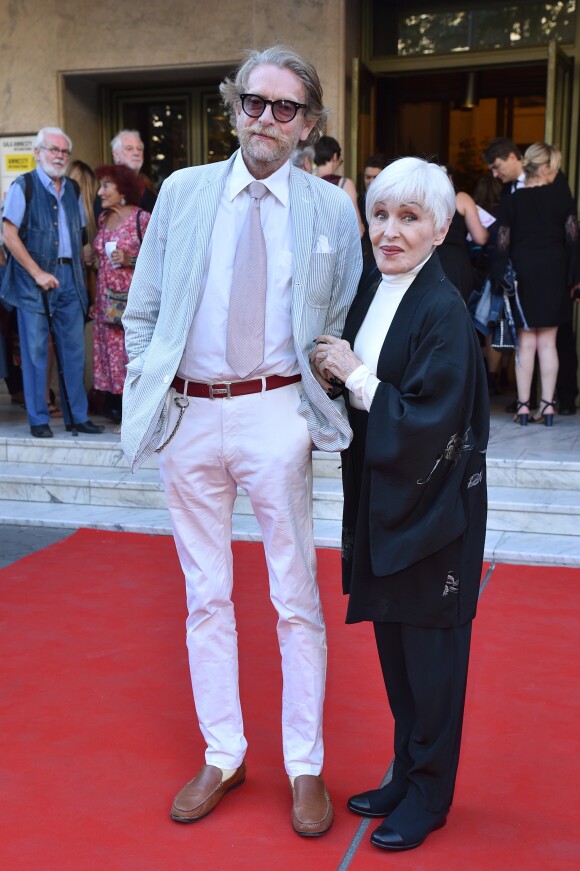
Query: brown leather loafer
[[199, 797], [312, 812]]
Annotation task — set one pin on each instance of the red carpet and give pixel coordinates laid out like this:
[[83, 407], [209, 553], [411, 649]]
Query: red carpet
[[98, 729]]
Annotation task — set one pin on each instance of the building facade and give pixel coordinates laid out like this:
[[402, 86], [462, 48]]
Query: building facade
[[438, 78], [94, 68]]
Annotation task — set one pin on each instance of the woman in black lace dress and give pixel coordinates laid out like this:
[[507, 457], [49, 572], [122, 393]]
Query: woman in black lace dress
[[538, 231], [453, 252]]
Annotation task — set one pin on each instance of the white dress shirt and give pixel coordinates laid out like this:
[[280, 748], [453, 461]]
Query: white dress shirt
[[204, 358], [363, 382]]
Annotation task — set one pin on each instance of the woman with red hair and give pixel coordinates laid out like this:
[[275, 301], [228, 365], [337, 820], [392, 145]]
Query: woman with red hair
[[121, 227]]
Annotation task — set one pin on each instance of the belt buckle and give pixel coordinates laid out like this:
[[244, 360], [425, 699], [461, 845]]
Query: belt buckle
[[220, 392]]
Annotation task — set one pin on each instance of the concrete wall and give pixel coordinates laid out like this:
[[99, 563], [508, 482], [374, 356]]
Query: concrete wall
[[44, 44]]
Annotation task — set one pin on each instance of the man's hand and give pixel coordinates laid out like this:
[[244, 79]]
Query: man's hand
[[46, 281], [15, 245]]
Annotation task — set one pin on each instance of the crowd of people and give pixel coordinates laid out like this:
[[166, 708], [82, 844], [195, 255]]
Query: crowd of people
[[73, 236], [540, 243], [273, 310], [536, 234]]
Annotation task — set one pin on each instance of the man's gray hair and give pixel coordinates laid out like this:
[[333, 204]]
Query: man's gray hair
[[116, 141], [414, 180], [299, 155], [51, 131], [285, 58]]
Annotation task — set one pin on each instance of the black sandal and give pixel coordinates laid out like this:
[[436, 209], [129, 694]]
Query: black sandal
[[546, 419], [522, 419]]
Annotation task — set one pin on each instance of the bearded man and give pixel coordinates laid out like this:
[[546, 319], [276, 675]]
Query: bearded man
[[43, 224], [244, 263]]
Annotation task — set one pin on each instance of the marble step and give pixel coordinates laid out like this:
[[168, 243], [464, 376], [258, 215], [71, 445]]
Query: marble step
[[537, 473], [106, 451], [153, 521], [532, 548], [520, 548], [117, 486], [72, 482], [81, 485], [109, 483], [534, 510], [67, 450], [511, 509]]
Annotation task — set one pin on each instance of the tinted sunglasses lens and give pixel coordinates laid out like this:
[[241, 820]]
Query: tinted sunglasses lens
[[253, 106], [283, 110]]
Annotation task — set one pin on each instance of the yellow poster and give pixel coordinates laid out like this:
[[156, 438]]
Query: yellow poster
[[17, 163], [16, 157]]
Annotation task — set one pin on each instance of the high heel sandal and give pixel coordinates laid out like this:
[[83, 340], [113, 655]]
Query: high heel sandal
[[522, 419], [546, 419]]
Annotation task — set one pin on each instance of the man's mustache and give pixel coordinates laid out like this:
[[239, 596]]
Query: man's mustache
[[264, 130]]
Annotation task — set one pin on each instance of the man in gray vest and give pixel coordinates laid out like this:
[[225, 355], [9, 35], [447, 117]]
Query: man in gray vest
[[43, 228]]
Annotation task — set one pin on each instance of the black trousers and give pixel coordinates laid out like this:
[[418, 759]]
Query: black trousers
[[425, 674], [566, 383]]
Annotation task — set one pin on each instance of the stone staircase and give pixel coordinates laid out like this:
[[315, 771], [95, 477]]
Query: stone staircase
[[67, 482]]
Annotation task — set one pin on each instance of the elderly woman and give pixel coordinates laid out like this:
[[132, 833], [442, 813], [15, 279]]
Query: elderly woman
[[118, 241], [414, 489]]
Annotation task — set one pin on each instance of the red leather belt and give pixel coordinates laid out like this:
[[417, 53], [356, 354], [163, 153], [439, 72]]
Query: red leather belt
[[227, 389]]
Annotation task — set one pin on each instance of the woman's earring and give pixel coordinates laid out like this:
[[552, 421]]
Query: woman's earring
[[123, 201]]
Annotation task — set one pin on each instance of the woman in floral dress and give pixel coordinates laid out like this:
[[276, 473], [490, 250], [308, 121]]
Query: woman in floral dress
[[121, 222]]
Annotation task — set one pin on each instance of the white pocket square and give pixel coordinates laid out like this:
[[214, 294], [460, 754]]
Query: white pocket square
[[322, 247]]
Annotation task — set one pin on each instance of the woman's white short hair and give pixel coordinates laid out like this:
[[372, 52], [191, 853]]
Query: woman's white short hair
[[413, 180]]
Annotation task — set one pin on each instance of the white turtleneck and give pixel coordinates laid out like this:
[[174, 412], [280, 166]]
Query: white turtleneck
[[363, 382]]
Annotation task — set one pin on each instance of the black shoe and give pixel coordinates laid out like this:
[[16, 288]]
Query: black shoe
[[407, 827], [87, 427], [114, 414], [567, 408], [376, 802], [41, 431]]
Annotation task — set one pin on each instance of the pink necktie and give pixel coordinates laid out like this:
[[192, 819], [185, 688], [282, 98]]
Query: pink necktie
[[247, 311]]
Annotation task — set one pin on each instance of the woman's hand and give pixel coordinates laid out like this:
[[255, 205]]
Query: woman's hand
[[328, 388], [89, 256], [120, 257], [334, 359]]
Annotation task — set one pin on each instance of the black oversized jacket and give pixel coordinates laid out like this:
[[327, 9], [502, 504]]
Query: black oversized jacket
[[414, 541]]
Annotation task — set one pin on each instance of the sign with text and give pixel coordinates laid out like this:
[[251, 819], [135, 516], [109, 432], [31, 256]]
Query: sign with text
[[16, 157]]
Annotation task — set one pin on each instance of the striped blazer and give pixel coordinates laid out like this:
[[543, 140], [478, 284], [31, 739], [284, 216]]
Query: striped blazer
[[166, 285]]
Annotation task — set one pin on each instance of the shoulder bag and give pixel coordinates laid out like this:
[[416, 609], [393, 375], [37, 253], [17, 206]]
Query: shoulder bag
[[116, 300]]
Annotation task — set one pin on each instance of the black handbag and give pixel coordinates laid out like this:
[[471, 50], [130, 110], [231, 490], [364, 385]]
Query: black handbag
[[505, 334], [502, 338]]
